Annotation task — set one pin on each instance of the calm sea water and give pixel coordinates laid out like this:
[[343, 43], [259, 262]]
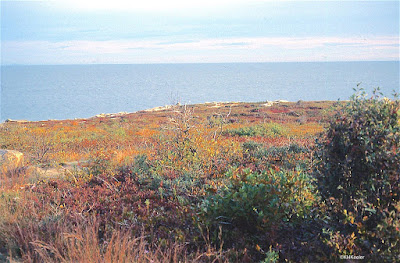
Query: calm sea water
[[80, 91]]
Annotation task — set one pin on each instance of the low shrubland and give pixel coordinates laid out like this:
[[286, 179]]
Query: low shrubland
[[204, 183]]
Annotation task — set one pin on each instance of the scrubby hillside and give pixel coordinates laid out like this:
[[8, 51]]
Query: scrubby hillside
[[218, 182]]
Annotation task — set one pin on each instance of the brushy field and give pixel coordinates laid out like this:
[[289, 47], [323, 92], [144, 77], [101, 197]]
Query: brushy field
[[227, 182]]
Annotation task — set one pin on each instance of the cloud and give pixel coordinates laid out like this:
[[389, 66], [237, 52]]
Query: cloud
[[260, 49], [148, 5], [160, 5]]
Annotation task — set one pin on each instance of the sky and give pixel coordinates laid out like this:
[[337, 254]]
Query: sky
[[176, 31]]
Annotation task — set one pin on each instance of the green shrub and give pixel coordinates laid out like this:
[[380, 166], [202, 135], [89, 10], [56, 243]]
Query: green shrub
[[140, 167], [277, 151], [260, 203], [271, 256], [288, 157], [357, 170], [251, 146], [265, 129]]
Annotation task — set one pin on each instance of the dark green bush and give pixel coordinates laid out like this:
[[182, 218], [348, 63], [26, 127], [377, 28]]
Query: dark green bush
[[259, 204], [357, 170]]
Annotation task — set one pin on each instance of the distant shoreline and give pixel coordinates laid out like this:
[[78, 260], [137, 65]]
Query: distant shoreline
[[215, 104]]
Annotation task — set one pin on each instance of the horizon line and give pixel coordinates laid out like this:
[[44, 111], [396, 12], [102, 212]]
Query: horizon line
[[168, 63]]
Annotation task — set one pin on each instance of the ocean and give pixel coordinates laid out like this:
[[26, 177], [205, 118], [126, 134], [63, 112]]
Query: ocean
[[79, 91]]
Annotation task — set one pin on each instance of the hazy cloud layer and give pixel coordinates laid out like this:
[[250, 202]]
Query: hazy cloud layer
[[155, 31], [205, 50]]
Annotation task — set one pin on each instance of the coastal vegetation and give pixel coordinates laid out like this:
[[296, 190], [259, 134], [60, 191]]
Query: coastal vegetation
[[217, 182]]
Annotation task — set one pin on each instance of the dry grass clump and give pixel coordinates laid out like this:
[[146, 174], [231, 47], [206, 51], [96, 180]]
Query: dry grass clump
[[83, 245]]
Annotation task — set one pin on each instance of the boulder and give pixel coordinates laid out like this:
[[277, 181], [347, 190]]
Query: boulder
[[10, 160], [268, 104]]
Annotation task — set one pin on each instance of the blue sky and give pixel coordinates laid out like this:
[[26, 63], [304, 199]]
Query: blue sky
[[175, 31]]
